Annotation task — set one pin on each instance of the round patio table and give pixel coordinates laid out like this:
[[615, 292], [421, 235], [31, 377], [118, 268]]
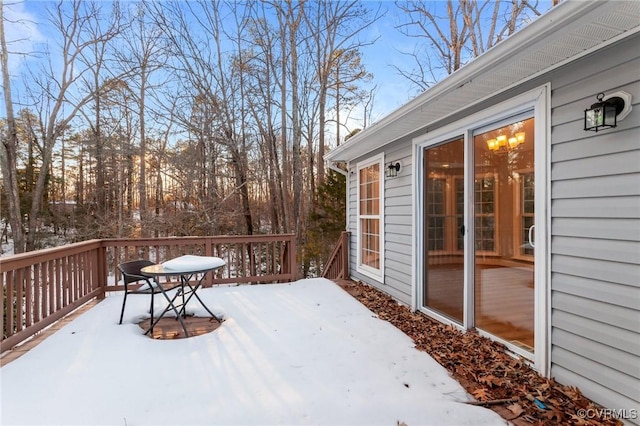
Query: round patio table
[[185, 267]]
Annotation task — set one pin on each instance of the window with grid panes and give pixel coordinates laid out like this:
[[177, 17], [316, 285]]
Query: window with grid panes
[[485, 214], [369, 215], [527, 191], [436, 207]]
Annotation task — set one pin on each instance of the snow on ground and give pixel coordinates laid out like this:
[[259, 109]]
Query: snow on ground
[[289, 354]]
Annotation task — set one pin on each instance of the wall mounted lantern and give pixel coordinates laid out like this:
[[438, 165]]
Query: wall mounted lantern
[[393, 169], [606, 113]]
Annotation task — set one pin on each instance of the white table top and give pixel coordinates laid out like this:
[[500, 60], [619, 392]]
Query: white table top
[[187, 264]]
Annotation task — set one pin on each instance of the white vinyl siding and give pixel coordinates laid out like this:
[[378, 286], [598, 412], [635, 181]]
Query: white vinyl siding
[[397, 224], [398, 228], [595, 245]]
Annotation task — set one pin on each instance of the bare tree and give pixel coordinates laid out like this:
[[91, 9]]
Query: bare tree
[[213, 69], [450, 34], [59, 95], [94, 58], [268, 88], [348, 73], [119, 124], [334, 27], [232, 138], [143, 56], [290, 18]]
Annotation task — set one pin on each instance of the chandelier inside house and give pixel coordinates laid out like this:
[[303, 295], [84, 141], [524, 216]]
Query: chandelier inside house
[[504, 142]]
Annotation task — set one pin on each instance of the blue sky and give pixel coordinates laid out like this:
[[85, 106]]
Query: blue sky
[[392, 90]]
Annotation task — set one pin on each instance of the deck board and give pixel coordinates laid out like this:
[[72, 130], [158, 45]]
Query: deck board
[[23, 348], [167, 328], [170, 328]]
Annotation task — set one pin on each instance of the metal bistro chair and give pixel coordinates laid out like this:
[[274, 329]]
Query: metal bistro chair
[[131, 274]]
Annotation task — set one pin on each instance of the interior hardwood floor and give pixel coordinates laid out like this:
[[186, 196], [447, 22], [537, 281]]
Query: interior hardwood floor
[[504, 301], [505, 304]]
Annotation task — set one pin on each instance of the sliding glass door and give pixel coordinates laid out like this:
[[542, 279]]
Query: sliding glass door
[[504, 207], [443, 229], [496, 277]]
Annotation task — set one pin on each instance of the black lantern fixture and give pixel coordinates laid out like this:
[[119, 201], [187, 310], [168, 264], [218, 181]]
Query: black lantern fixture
[[603, 114], [393, 169]]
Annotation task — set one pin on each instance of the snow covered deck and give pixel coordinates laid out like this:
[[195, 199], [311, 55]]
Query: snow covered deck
[[298, 353]]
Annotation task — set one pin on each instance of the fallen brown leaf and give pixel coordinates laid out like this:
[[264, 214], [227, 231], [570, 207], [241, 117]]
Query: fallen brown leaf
[[491, 380], [516, 409], [481, 394]]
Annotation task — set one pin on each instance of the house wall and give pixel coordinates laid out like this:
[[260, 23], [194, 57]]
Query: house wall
[[595, 233], [397, 224], [595, 227]]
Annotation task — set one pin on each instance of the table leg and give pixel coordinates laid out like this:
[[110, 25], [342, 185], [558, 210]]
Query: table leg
[[193, 292], [171, 305]]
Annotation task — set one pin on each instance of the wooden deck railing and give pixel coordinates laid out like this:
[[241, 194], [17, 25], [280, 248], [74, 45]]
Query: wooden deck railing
[[40, 287], [337, 268]]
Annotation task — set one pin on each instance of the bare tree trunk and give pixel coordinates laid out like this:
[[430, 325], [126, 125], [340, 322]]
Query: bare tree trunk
[[142, 153], [80, 180], [274, 181], [98, 140], [293, 24], [9, 153]]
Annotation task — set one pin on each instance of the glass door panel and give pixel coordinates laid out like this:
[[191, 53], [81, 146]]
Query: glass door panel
[[443, 283], [504, 220]]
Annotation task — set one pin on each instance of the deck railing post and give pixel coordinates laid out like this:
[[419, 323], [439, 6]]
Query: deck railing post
[[345, 254], [208, 251], [293, 258], [284, 258], [101, 270]]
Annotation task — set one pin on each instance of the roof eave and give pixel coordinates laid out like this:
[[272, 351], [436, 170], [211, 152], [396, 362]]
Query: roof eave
[[538, 31]]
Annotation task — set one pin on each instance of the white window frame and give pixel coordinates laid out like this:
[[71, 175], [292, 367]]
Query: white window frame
[[538, 101], [518, 195], [376, 274]]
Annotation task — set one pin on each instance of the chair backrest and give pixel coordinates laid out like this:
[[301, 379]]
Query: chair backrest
[[131, 270]]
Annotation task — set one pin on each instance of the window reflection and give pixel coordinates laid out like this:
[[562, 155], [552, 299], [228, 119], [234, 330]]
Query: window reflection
[[443, 210]]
